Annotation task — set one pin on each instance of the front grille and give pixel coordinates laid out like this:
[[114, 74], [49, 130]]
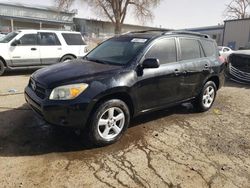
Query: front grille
[[243, 76], [37, 110], [241, 62], [38, 88]]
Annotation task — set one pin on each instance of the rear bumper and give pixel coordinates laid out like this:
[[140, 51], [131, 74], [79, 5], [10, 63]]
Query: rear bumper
[[73, 113], [221, 79]]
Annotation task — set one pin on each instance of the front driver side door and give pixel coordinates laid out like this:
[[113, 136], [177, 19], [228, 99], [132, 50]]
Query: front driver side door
[[160, 87], [27, 52]]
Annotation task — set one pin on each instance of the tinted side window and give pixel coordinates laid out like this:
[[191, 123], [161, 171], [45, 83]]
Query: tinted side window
[[73, 39], [209, 48], [164, 50], [49, 39], [190, 49], [28, 40]]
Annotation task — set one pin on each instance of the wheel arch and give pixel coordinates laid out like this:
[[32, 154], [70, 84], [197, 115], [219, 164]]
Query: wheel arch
[[121, 95], [68, 55], [3, 60], [215, 79]]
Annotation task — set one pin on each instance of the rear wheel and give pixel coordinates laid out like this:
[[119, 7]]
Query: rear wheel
[[67, 58], [207, 97], [109, 122], [2, 68]]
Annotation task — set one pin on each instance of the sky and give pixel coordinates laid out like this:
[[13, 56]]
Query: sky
[[171, 14]]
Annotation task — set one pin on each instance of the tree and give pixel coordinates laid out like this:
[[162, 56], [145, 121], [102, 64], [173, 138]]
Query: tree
[[116, 10], [238, 9]]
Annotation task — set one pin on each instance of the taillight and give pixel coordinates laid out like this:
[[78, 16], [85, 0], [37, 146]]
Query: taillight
[[221, 59]]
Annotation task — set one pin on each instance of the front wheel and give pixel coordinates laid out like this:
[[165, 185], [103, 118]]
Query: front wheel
[[2, 68], [109, 122], [207, 97], [67, 58]]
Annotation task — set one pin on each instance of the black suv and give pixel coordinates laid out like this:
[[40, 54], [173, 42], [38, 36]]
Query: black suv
[[124, 77]]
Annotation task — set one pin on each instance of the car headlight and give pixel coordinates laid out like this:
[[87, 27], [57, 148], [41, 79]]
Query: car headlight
[[67, 92]]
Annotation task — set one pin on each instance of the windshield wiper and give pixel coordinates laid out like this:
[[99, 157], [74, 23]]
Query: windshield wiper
[[102, 61], [96, 60]]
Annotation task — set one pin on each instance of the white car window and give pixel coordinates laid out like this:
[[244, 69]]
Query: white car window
[[28, 40], [49, 39]]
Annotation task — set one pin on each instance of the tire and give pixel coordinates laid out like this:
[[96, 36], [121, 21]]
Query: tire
[[2, 68], [206, 98], [67, 58], [108, 123]]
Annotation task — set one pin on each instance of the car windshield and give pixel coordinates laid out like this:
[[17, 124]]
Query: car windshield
[[8, 37], [117, 51]]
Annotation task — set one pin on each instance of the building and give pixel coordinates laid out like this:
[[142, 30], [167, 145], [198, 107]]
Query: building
[[236, 33], [18, 16], [215, 32], [98, 28]]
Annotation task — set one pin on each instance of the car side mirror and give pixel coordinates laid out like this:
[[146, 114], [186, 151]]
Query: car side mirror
[[15, 42], [151, 63]]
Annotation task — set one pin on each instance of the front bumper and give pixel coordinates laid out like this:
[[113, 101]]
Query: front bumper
[[73, 113]]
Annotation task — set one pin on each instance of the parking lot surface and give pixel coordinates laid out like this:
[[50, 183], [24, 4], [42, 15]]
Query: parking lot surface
[[171, 148]]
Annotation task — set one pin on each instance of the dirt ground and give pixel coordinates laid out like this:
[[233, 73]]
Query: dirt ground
[[172, 148]]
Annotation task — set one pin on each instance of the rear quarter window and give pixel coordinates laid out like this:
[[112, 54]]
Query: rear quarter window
[[73, 39], [209, 48]]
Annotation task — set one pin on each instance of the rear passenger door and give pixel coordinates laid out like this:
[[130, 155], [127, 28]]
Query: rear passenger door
[[195, 66], [50, 48], [160, 87]]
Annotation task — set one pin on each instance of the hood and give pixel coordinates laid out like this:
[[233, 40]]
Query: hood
[[77, 70], [4, 44], [242, 52]]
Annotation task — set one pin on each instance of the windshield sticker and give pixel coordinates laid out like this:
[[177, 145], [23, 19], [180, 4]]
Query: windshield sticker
[[139, 40]]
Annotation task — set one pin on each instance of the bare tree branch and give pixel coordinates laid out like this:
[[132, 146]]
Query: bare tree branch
[[238, 9], [116, 10]]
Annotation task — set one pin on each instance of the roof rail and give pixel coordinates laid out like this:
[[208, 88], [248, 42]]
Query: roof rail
[[187, 32], [151, 30]]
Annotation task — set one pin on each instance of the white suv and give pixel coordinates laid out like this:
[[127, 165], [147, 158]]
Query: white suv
[[38, 48]]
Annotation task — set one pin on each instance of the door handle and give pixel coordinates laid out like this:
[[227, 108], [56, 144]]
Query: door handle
[[206, 67], [177, 72], [33, 49], [59, 48], [185, 73]]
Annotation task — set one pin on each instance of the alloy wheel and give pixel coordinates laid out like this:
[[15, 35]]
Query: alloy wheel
[[111, 123], [208, 97]]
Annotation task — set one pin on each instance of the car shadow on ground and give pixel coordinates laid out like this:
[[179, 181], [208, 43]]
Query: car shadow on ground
[[22, 133], [231, 83]]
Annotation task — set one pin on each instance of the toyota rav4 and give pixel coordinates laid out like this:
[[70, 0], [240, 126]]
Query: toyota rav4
[[124, 77]]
